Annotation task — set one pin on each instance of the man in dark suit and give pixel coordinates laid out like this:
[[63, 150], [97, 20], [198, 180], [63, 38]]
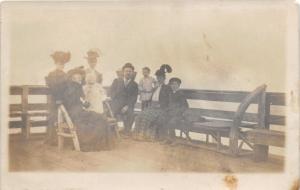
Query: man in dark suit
[[124, 92]]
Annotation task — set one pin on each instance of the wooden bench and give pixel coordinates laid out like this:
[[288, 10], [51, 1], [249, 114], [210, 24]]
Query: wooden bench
[[239, 126]]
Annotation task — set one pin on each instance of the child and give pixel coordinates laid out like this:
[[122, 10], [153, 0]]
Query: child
[[177, 106], [146, 87], [94, 93]]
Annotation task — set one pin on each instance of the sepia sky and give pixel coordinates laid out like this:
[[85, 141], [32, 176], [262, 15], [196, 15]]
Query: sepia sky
[[210, 46]]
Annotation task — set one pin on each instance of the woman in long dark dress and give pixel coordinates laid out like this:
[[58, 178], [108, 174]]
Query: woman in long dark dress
[[92, 128], [55, 81]]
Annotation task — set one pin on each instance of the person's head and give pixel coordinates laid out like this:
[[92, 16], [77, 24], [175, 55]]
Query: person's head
[[76, 74], [120, 73], [146, 71], [60, 58], [161, 73], [128, 71], [92, 57], [160, 76], [175, 83], [91, 78]]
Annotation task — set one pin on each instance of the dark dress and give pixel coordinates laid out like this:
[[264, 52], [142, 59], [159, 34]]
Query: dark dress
[[92, 128], [56, 81]]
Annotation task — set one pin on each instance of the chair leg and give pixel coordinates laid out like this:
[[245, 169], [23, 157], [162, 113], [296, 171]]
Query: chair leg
[[75, 139]]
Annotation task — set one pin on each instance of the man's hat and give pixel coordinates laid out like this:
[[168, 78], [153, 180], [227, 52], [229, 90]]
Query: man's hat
[[128, 65], [76, 70], [93, 53], [61, 57], [175, 79]]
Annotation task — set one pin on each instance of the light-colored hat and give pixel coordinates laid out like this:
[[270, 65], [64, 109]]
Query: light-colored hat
[[93, 53], [61, 57]]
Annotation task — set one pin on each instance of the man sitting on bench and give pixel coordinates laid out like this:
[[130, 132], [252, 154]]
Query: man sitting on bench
[[177, 106]]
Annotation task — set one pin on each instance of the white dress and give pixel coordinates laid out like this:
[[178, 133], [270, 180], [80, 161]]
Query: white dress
[[95, 95]]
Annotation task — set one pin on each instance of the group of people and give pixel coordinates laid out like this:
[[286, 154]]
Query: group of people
[[80, 91]]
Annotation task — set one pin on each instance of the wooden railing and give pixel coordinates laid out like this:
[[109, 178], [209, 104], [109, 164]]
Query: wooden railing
[[25, 111]]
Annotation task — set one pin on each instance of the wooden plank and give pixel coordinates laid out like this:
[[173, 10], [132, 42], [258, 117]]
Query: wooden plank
[[266, 137], [26, 128], [15, 90], [39, 90], [20, 124], [249, 117], [261, 152], [16, 124], [38, 106], [215, 95], [15, 107]]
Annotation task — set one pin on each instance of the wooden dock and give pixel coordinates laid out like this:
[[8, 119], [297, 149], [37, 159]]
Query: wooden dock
[[131, 156]]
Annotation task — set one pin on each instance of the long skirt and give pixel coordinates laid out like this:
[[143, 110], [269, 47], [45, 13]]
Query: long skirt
[[93, 131]]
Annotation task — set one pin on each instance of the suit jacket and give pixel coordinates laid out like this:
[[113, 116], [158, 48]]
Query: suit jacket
[[164, 96], [177, 104], [122, 95]]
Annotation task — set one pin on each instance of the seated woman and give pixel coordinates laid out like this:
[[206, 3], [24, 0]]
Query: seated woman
[[148, 123], [92, 128]]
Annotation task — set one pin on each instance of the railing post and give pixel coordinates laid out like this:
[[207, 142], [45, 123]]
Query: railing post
[[26, 128], [261, 151]]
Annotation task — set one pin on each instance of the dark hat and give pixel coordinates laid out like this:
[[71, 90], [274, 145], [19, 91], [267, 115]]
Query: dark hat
[[175, 79], [76, 70], [163, 70], [61, 57], [128, 65]]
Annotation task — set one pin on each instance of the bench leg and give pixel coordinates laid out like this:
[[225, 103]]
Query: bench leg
[[260, 153], [207, 139], [219, 143]]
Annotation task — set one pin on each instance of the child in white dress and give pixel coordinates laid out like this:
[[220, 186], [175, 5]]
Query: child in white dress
[[94, 93]]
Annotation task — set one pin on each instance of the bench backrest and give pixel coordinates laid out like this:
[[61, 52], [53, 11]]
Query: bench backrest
[[272, 99]]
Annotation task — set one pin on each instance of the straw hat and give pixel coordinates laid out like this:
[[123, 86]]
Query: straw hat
[[93, 53]]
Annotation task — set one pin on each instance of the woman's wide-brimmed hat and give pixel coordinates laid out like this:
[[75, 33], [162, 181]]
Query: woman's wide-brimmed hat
[[93, 53], [76, 70], [163, 70], [61, 57]]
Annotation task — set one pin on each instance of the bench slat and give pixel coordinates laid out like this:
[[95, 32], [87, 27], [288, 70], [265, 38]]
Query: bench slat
[[249, 117], [266, 137]]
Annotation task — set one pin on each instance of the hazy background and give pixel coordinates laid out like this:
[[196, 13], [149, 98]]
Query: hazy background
[[210, 46]]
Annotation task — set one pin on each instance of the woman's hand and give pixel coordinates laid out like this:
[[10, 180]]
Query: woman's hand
[[124, 109]]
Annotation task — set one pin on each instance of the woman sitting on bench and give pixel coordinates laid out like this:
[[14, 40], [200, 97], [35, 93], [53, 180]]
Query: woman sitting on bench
[[91, 127]]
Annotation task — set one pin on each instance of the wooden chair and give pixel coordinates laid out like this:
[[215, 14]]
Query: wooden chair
[[66, 129], [231, 129], [112, 121]]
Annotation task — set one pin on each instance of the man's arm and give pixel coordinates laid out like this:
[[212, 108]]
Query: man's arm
[[134, 91]]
